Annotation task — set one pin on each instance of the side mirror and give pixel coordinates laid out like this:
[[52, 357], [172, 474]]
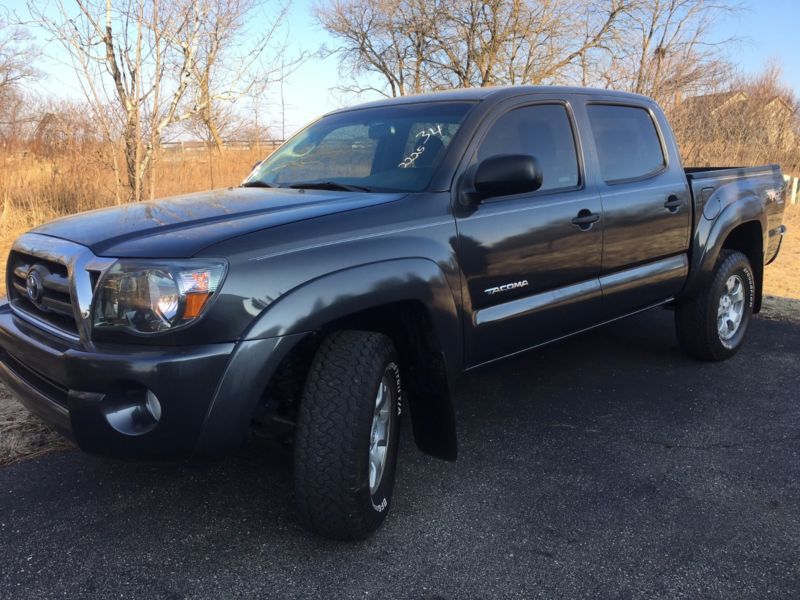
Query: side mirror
[[507, 174]]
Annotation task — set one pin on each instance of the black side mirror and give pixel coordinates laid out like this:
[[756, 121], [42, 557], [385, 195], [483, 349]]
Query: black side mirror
[[507, 174]]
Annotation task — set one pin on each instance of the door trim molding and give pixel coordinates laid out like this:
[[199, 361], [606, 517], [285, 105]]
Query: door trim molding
[[563, 296], [661, 270], [568, 335]]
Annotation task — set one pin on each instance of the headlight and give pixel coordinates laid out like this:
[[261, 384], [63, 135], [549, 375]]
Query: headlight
[[155, 296]]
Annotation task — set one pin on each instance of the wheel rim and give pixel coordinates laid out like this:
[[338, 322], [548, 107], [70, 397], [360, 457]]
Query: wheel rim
[[379, 435], [731, 308]]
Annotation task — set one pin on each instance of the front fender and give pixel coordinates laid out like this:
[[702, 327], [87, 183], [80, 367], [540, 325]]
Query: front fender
[[323, 300], [313, 305]]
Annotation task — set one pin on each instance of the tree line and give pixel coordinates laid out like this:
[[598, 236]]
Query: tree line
[[655, 47], [150, 69]]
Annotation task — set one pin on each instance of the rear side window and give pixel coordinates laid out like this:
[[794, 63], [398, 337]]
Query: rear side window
[[542, 131], [627, 142]]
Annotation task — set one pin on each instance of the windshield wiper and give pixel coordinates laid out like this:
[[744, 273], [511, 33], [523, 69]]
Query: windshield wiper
[[328, 185], [257, 183]]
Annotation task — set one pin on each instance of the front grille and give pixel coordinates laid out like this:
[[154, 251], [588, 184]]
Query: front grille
[[54, 303]]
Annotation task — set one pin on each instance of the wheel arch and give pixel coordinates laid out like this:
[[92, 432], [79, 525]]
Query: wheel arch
[[741, 226], [410, 301]]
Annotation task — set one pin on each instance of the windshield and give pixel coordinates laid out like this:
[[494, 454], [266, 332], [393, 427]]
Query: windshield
[[391, 149]]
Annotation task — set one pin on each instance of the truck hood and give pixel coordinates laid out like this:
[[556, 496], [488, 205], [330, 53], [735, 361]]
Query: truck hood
[[180, 227]]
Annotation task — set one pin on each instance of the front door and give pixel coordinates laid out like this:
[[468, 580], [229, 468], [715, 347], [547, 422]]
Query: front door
[[531, 261]]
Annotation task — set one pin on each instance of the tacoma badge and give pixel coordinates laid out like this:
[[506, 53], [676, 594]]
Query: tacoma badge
[[506, 287]]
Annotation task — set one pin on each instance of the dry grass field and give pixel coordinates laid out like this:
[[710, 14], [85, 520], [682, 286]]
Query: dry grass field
[[782, 278], [35, 192]]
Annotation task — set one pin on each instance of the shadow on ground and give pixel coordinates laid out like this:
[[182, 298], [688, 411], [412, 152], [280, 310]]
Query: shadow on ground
[[606, 465]]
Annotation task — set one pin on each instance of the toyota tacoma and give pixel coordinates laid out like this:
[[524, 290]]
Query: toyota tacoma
[[362, 267]]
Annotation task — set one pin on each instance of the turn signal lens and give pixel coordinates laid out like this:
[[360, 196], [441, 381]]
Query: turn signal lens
[[194, 305]]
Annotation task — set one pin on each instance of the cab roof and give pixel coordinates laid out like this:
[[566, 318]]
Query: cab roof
[[493, 93]]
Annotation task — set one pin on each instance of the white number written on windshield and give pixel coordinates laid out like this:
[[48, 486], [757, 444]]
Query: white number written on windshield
[[423, 136]]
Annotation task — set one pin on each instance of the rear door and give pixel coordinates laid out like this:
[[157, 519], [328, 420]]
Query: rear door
[[530, 272], [646, 206]]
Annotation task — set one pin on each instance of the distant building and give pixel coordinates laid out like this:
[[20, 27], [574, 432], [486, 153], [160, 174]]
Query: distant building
[[744, 127]]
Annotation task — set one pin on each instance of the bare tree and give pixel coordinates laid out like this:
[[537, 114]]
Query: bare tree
[[499, 42], [17, 57], [134, 59], [233, 62], [390, 39], [665, 49], [408, 46]]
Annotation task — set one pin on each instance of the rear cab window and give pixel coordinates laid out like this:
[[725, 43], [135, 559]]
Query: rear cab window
[[627, 142]]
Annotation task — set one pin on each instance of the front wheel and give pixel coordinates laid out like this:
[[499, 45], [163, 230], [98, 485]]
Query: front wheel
[[347, 435], [712, 324]]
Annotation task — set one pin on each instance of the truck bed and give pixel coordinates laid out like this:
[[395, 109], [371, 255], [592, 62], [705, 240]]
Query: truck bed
[[714, 188], [721, 172]]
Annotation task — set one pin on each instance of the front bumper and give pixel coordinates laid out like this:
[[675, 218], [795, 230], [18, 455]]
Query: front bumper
[[88, 395]]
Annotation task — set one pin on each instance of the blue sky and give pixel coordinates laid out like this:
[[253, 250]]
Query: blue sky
[[768, 30]]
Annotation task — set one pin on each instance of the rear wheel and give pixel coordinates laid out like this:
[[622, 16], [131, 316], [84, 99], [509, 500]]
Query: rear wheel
[[712, 324], [347, 435]]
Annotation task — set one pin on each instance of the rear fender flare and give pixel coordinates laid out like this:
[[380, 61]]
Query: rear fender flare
[[710, 237]]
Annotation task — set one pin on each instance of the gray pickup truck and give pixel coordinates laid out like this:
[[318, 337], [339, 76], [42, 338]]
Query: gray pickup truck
[[374, 257]]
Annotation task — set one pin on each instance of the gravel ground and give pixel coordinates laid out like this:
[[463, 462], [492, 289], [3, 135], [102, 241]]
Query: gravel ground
[[607, 465]]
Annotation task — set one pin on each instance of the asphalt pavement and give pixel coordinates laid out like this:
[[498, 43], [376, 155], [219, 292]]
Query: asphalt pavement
[[607, 465]]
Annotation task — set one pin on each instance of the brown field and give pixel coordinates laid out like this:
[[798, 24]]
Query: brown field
[[782, 278], [36, 191]]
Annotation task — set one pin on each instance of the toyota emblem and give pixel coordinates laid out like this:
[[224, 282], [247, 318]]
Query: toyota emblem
[[33, 286]]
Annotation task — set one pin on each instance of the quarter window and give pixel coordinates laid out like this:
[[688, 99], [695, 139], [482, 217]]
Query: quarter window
[[628, 146], [542, 131]]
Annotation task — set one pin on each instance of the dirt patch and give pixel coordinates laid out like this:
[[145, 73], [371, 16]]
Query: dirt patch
[[22, 435], [781, 309]]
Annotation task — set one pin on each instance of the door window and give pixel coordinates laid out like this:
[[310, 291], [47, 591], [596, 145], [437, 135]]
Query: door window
[[628, 146], [543, 131]]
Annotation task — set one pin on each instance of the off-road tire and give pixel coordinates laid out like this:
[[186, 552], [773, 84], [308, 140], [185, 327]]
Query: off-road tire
[[331, 457], [696, 316]]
